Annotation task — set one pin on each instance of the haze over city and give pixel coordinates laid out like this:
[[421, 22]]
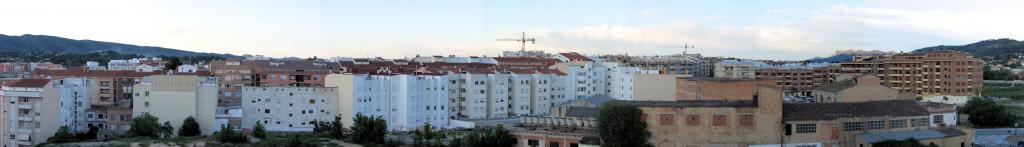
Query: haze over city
[[781, 30]]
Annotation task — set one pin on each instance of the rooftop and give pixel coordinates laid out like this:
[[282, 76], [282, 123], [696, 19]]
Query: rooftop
[[692, 103], [830, 111], [28, 83], [922, 134]]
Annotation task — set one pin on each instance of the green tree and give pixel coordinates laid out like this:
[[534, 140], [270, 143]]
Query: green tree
[[145, 126], [258, 131], [89, 135], [333, 129], [228, 135], [189, 127], [495, 137], [368, 129], [428, 136], [172, 63], [62, 135], [167, 130], [620, 125], [986, 113]]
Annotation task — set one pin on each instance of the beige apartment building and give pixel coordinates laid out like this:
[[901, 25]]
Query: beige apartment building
[[800, 81], [30, 114], [655, 86], [734, 69], [175, 97], [937, 76], [862, 88]]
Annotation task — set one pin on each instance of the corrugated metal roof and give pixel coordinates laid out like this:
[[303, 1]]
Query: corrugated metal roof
[[916, 134]]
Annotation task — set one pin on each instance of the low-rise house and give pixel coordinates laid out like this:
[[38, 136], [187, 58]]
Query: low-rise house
[[859, 89], [865, 123]]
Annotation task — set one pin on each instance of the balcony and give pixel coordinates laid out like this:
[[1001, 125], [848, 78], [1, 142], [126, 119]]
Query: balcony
[[24, 106], [25, 118]]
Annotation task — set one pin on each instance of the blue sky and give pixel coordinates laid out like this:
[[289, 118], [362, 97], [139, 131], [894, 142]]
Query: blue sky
[[788, 30]]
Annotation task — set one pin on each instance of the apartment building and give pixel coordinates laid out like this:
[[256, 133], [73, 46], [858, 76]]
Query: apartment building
[[799, 79], [288, 109], [232, 75], [690, 64], [865, 123], [735, 69], [175, 97], [405, 101], [111, 107], [591, 77], [656, 86], [35, 108], [937, 76], [859, 89], [303, 73], [746, 121]]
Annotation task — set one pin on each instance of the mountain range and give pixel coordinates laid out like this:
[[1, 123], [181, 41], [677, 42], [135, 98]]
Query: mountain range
[[60, 45], [983, 49]]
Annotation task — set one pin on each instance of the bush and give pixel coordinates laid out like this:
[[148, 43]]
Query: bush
[[64, 135], [145, 126], [229, 135], [986, 113], [189, 127], [333, 129], [368, 130], [167, 130], [258, 131], [495, 137]]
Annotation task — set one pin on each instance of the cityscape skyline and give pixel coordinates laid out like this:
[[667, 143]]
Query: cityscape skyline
[[765, 30]]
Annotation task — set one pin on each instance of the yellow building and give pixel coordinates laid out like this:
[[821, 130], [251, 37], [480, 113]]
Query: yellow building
[[175, 97]]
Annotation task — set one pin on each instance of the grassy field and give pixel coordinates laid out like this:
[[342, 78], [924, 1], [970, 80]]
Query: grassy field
[[1003, 91]]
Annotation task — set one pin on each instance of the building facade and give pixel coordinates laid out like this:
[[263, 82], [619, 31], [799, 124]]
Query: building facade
[[28, 119], [405, 101], [937, 76], [175, 97], [735, 69], [288, 109]]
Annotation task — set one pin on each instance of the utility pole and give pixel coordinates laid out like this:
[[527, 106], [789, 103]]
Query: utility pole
[[522, 40]]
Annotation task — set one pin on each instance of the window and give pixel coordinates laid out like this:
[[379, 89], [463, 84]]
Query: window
[[937, 119], [897, 123], [693, 119], [719, 120], [266, 111], [876, 125], [746, 120], [806, 128], [553, 144], [919, 122], [853, 126], [666, 119]]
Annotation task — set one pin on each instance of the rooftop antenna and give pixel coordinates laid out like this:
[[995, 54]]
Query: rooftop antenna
[[522, 40]]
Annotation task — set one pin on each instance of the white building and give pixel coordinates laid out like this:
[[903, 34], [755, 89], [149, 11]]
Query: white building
[[587, 77], [121, 65], [736, 69], [29, 118], [484, 93], [93, 65], [175, 97], [148, 67], [406, 101], [288, 109], [187, 68], [75, 98]]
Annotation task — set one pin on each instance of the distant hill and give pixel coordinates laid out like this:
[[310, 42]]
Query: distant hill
[[53, 44], [986, 48], [832, 59]]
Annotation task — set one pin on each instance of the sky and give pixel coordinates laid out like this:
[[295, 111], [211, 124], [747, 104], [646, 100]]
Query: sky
[[779, 30]]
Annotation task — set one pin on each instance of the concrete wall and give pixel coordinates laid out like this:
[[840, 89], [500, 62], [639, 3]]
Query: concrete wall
[[655, 87], [765, 130]]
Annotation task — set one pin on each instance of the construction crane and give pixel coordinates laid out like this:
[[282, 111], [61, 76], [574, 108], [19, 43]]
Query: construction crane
[[684, 47], [522, 41]]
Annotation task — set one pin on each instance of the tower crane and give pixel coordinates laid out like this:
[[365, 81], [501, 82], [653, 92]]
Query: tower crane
[[522, 40]]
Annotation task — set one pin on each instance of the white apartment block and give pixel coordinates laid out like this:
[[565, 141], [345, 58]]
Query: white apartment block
[[588, 78], [74, 100], [288, 109], [175, 97], [29, 117], [479, 94], [406, 101]]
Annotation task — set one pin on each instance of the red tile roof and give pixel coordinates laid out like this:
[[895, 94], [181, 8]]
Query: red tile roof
[[573, 56], [30, 83]]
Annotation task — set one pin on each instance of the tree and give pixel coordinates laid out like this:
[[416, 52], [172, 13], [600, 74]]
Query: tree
[[172, 63], [620, 125], [986, 113], [62, 135], [189, 127], [333, 129], [428, 136], [145, 126], [228, 135], [258, 131], [167, 130], [368, 129], [91, 134], [496, 137]]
